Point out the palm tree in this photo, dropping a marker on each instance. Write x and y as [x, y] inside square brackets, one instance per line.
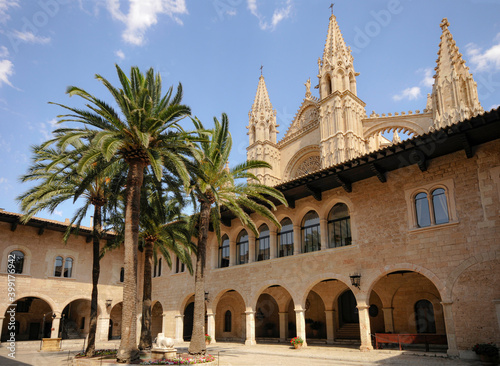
[143, 132]
[55, 170]
[218, 186]
[164, 229]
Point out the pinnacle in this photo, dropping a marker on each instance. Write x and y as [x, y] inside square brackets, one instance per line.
[449, 56]
[261, 102]
[335, 47]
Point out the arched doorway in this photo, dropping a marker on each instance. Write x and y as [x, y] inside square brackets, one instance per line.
[315, 317]
[115, 322]
[156, 319]
[75, 320]
[275, 318]
[348, 312]
[188, 321]
[33, 319]
[230, 324]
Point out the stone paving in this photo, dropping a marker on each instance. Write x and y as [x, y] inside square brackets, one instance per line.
[235, 354]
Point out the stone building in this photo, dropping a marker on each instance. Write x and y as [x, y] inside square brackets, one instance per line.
[379, 236]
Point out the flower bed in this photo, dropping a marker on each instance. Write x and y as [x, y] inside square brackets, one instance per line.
[181, 361]
[99, 353]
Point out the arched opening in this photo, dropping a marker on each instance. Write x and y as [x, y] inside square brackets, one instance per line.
[115, 322]
[224, 252]
[262, 244]
[75, 320]
[348, 312]
[230, 322]
[242, 247]
[15, 259]
[411, 304]
[285, 238]
[328, 85]
[156, 319]
[315, 317]
[188, 320]
[275, 318]
[339, 226]
[33, 319]
[310, 232]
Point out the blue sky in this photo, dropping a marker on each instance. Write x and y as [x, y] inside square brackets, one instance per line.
[215, 49]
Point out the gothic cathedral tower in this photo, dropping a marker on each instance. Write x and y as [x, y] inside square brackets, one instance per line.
[262, 136]
[341, 111]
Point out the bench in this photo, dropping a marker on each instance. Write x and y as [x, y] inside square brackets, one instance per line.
[401, 339]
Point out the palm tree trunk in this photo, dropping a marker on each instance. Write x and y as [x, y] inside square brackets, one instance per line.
[96, 235]
[146, 342]
[197, 345]
[128, 351]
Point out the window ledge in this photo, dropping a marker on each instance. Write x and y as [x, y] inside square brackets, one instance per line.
[62, 278]
[432, 228]
[16, 274]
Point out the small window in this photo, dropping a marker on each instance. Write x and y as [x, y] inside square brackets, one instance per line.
[431, 209]
[227, 321]
[179, 266]
[311, 237]
[224, 252]
[262, 244]
[422, 208]
[68, 267]
[157, 268]
[122, 274]
[285, 238]
[58, 266]
[440, 206]
[242, 248]
[339, 226]
[15, 261]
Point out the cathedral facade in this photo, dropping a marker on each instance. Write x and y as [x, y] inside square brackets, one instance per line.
[380, 237]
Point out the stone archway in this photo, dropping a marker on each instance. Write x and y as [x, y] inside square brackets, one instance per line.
[75, 319]
[230, 324]
[115, 322]
[156, 319]
[188, 320]
[32, 320]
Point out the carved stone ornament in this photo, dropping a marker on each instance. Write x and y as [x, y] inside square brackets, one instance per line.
[309, 165]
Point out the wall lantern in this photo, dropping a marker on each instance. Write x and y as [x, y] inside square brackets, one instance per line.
[355, 279]
[108, 303]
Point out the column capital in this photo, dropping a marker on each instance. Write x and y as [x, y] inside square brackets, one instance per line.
[210, 314]
[177, 316]
[446, 303]
[299, 310]
[363, 307]
[249, 312]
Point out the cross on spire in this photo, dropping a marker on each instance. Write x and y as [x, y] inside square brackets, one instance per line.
[331, 7]
[261, 67]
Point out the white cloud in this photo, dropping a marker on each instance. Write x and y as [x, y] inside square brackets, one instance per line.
[46, 129]
[494, 106]
[428, 79]
[120, 54]
[408, 93]
[487, 60]
[6, 70]
[278, 15]
[4, 7]
[58, 213]
[3, 180]
[31, 38]
[144, 14]
[4, 52]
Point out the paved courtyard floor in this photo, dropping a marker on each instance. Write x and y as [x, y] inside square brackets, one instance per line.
[235, 354]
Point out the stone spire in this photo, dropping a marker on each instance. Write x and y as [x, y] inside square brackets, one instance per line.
[336, 70]
[262, 116]
[454, 93]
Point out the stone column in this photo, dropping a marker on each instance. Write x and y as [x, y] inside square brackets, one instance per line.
[211, 326]
[388, 320]
[450, 328]
[232, 253]
[273, 244]
[323, 229]
[330, 326]
[250, 328]
[297, 239]
[251, 247]
[55, 326]
[283, 326]
[364, 328]
[179, 328]
[301, 324]
[102, 331]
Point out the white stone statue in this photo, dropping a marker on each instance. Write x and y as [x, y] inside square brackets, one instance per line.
[163, 342]
[308, 88]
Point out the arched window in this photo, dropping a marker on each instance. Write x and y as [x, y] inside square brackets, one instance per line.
[122, 274]
[179, 266]
[339, 226]
[285, 238]
[224, 252]
[440, 206]
[58, 266]
[422, 209]
[15, 262]
[328, 85]
[424, 317]
[227, 321]
[352, 83]
[242, 248]
[310, 232]
[262, 245]
[432, 209]
[68, 267]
